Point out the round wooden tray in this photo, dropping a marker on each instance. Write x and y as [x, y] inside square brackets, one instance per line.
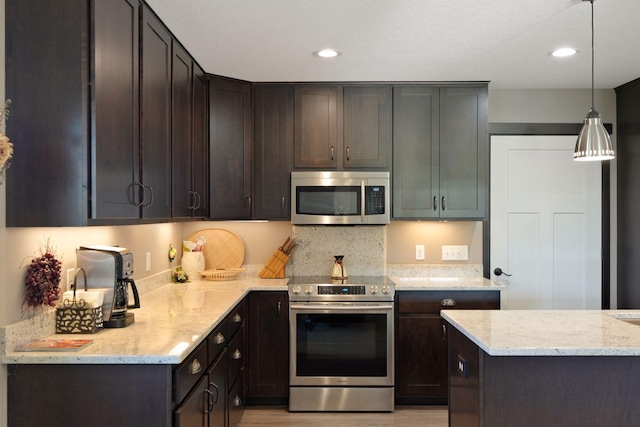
[223, 249]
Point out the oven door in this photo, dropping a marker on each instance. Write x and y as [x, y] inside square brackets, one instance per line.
[341, 344]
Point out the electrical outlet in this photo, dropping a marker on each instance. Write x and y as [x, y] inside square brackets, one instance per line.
[455, 253]
[148, 261]
[71, 272]
[419, 252]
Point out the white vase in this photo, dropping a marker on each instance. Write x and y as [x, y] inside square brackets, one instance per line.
[192, 263]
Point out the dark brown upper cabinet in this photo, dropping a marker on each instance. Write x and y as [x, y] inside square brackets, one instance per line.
[230, 148]
[342, 127]
[273, 151]
[74, 116]
[367, 127]
[440, 152]
[155, 109]
[181, 125]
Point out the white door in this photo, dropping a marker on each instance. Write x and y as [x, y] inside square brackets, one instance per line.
[545, 223]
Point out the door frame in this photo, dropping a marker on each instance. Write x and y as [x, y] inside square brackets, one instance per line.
[542, 129]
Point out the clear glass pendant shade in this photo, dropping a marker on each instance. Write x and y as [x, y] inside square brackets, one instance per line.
[593, 141]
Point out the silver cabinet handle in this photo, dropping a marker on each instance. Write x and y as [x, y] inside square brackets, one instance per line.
[282, 200]
[236, 355]
[332, 152]
[348, 154]
[448, 302]
[247, 201]
[150, 192]
[236, 318]
[219, 338]
[212, 384]
[199, 200]
[196, 367]
[207, 401]
[192, 206]
[443, 205]
[444, 332]
[435, 203]
[237, 401]
[279, 309]
[141, 202]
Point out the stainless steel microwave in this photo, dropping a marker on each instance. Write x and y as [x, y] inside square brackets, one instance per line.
[340, 198]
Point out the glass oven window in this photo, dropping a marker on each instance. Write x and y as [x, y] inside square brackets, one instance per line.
[343, 345]
[331, 200]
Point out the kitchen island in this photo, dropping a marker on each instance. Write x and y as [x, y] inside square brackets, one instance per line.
[543, 368]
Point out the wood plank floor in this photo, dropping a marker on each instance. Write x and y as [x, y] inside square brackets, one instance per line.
[405, 416]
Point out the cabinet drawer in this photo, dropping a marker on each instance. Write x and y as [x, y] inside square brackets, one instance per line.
[188, 373]
[236, 318]
[236, 402]
[434, 301]
[236, 357]
[218, 339]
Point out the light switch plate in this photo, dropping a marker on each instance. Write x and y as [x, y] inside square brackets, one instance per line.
[455, 253]
[419, 252]
[148, 261]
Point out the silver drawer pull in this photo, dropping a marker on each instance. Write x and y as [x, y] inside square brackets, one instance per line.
[448, 302]
[236, 318]
[219, 338]
[236, 354]
[196, 367]
[237, 401]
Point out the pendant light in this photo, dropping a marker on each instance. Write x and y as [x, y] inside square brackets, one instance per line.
[593, 142]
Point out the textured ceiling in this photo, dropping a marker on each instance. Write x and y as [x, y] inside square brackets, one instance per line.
[505, 42]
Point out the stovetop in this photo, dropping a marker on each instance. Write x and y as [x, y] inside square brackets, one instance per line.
[356, 288]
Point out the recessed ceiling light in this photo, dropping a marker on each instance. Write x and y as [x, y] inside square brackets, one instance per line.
[327, 53]
[564, 51]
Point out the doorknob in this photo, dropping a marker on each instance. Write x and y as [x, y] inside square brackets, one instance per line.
[498, 272]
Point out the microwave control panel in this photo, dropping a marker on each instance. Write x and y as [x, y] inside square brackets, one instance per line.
[374, 200]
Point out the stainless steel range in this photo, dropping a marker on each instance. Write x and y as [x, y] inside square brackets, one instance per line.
[341, 348]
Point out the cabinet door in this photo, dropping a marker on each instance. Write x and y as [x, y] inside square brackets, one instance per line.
[421, 350]
[200, 158]
[268, 358]
[230, 149]
[181, 140]
[206, 403]
[463, 152]
[47, 182]
[273, 142]
[114, 130]
[367, 127]
[415, 152]
[316, 134]
[155, 132]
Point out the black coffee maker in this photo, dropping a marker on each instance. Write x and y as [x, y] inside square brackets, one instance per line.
[110, 270]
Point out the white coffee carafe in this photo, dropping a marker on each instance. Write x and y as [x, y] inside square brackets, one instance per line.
[339, 270]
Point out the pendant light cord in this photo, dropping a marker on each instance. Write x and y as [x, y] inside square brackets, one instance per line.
[592, 60]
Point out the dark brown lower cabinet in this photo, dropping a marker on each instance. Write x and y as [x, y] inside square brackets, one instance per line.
[268, 359]
[422, 343]
[533, 391]
[205, 405]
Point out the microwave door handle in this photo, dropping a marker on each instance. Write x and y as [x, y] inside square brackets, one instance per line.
[362, 201]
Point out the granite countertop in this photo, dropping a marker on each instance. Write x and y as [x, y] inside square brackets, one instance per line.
[175, 318]
[549, 332]
[170, 324]
[470, 283]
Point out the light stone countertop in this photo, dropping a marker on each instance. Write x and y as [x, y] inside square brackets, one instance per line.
[549, 332]
[170, 324]
[465, 283]
[175, 318]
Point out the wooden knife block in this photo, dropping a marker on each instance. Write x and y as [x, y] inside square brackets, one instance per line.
[275, 267]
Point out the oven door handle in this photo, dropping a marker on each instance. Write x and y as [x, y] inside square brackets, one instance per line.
[316, 307]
